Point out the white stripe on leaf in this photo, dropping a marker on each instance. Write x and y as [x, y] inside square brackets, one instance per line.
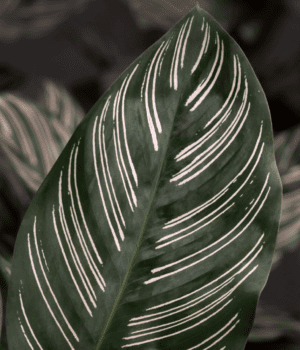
[200, 298]
[219, 331]
[42, 292]
[44, 257]
[178, 332]
[176, 64]
[182, 307]
[77, 228]
[72, 250]
[48, 284]
[165, 50]
[195, 145]
[217, 144]
[203, 21]
[216, 242]
[197, 229]
[208, 39]
[119, 144]
[213, 281]
[180, 321]
[198, 209]
[28, 325]
[236, 58]
[101, 141]
[194, 325]
[149, 117]
[99, 184]
[116, 150]
[202, 48]
[82, 214]
[124, 129]
[185, 42]
[68, 265]
[204, 83]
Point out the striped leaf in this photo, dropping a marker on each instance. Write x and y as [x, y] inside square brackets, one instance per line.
[156, 226]
[32, 135]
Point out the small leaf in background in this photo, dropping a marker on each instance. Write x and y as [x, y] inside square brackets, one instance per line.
[272, 323]
[23, 18]
[33, 135]
[156, 226]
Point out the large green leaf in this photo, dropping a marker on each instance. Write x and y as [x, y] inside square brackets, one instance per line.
[156, 226]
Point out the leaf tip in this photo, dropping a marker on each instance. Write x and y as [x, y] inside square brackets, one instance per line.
[198, 7]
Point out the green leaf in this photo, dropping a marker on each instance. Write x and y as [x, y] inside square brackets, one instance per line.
[156, 226]
[33, 135]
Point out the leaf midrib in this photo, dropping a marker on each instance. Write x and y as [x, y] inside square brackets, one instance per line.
[124, 283]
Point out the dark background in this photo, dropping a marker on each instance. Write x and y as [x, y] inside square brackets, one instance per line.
[91, 44]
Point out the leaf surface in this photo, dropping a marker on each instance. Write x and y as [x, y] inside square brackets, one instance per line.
[156, 226]
[33, 135]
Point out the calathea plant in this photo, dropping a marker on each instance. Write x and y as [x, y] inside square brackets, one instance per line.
[156, 226]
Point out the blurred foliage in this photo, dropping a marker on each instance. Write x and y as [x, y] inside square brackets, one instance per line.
[32, 18]
[287, 150]
[32, 135]
[272, 323]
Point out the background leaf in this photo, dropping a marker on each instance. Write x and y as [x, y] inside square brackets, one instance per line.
[33, 135]
[34, 18]
[287, 147]
[272, 323]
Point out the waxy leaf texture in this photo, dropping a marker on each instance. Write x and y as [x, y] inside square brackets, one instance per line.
[156, 226]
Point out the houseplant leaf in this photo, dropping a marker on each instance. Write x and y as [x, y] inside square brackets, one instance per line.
[156, 226]
[33, 134]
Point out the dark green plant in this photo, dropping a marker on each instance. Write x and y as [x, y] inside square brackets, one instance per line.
[156, 226]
